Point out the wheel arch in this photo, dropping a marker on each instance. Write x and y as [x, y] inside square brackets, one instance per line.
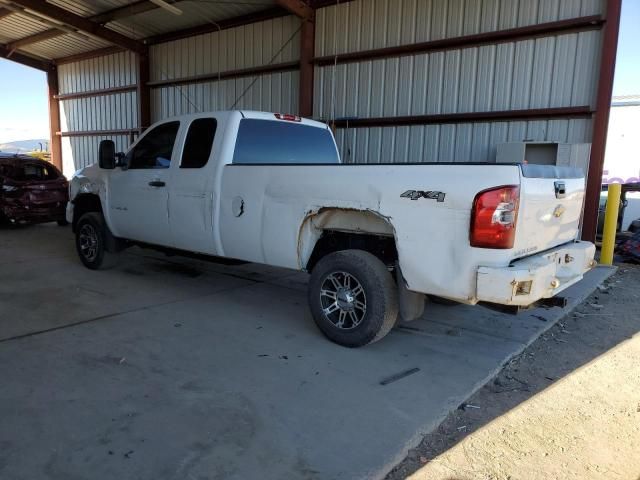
[331, 229]
[85, 203]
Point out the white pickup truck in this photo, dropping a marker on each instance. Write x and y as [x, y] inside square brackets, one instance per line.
[377, 239]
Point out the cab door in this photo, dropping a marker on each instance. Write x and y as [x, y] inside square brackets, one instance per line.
[139, 194]
[191, 194]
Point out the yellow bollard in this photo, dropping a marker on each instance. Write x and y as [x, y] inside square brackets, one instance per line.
[610, 224]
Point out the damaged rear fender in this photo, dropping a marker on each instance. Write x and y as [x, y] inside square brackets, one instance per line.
[338, 219]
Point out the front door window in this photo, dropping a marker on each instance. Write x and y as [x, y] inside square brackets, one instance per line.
[155, 148]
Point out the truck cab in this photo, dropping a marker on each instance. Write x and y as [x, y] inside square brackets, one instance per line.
[165, 189]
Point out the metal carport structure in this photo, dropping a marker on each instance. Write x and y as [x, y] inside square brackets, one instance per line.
[399, 79]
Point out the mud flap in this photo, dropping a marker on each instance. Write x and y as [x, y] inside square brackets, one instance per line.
[112, 244]
[411, 304]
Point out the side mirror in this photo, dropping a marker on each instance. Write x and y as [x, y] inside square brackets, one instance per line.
[107, 155]
[121, 160]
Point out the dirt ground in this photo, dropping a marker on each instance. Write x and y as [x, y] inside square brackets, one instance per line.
[567, 408]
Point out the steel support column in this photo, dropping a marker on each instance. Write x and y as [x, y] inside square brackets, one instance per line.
[55, 142]
[601, 118]
[144, 92]
[307, 52]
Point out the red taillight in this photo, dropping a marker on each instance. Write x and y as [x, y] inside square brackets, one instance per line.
[288, 117]
[494, 216]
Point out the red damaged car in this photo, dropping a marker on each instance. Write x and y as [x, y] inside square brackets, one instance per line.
[31, 191]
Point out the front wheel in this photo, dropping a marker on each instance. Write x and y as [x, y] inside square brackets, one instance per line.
[91, 232]
[353, 298]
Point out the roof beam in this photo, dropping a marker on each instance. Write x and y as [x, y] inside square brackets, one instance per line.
[247, 19]
[23, 59]
[327, 3]
[79, 57]
[239, 21]
[136, 8]
[80, 23]
[35, 38]
[5, 12]
[299, 8]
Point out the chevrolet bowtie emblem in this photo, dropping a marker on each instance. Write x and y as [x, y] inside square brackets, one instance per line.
[559, 211]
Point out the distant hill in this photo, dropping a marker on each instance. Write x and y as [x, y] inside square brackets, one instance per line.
[23, 146]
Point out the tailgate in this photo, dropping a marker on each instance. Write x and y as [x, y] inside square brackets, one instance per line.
[550, 212]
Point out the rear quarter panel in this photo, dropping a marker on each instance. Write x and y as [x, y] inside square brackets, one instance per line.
[432, 237]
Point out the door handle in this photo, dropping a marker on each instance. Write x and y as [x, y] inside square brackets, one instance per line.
[157, 183]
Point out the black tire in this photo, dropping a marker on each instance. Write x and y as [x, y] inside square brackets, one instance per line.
[62, 223]
[92, 228]
[378, 291]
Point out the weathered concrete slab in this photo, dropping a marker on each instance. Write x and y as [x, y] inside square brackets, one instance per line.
[185, 369]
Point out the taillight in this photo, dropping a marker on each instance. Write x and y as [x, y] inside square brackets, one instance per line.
[494, 216]
[288, 117]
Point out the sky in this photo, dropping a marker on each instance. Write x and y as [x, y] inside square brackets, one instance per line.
[628, 67]
[24, 111]
[23, 90]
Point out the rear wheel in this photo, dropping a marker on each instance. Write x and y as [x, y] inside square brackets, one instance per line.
[91, 232]
[353, 298]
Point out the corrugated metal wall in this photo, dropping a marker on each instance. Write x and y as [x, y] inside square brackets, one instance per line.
[109, 71]
[553, 71]
[452, 143]
[108, 112]
[557, 71]
[270, 42]
[249, 46]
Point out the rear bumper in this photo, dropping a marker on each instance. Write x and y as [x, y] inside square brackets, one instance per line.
[34, 213]
[529, 280]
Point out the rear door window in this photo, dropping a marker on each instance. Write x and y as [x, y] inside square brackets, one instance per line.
[197, 146]
[155, 148]
[27, 172]
[274, 142]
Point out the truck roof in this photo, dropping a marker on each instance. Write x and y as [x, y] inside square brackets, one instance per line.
[249, 114]
[271, 116]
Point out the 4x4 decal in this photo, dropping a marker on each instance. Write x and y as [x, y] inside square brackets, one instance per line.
[418, 194]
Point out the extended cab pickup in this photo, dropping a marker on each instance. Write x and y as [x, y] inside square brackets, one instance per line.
[270, 188]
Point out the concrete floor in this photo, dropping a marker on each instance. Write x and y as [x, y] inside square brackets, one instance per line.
[171, 368]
